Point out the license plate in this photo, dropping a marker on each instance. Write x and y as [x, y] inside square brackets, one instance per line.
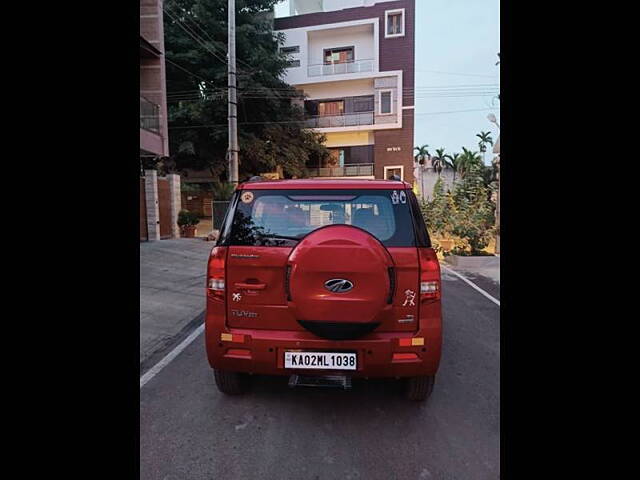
[320, 360]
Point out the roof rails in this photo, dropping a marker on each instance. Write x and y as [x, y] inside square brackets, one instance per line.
[256, 178]
[395, 178]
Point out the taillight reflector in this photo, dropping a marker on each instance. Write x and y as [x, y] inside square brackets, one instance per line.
[235, 338]
[429, 274]
[404, 356]
[411, 342]
[215, 273]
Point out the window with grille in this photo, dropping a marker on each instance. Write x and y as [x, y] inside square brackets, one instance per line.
[293, 49]
[395, 23]
[385, 103]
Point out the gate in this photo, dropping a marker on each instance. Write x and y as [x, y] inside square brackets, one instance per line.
[164, 207]
[144, 234]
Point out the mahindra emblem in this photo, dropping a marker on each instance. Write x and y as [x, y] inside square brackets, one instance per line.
[338, 285]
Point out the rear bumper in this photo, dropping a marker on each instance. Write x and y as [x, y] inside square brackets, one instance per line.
[262, 351]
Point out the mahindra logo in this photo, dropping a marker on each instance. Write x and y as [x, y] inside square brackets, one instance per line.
[338, 285]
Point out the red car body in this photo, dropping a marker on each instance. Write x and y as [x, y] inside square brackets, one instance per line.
[263, 301]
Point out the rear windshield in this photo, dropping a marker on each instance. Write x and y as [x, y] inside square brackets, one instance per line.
[284, 217]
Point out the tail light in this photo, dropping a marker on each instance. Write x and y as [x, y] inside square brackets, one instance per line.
[215, 273]
[429, 274]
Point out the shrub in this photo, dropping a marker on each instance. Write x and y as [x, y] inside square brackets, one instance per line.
[438, 211]
[188, 219]
[467, 213]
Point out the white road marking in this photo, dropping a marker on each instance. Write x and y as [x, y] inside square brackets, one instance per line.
[153, 371]
[473, 285]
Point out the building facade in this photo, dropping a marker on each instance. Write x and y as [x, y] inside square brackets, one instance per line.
[354, 61]
[154, 138]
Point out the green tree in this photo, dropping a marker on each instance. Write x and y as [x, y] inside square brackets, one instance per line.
[453, 162]
[485, 138]
[422, 154]
[438, 162]
[270, 124]
[468, 160]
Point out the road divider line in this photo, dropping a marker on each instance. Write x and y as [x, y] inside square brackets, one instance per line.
[153, 371]
[473, 285]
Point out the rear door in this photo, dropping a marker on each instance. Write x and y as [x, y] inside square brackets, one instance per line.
[266, 226]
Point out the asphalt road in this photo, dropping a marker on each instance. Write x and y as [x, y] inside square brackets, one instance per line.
[188, 430]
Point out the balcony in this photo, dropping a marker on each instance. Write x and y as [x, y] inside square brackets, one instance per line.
[149, 115]
[353, 170]
[291, 8]
[344, 120]
[356, 66]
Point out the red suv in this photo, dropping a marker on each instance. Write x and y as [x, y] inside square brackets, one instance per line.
[324, 280]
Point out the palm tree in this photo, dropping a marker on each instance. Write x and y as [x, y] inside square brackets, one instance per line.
[453, 163]
[422, 154]
[421, 157]
[485, 138]
[438, 162]
[468, 160]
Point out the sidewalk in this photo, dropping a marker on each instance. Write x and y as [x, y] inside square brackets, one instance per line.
[172, 289]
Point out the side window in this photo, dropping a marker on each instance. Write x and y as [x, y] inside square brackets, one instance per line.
[225, 229]
[422, 236]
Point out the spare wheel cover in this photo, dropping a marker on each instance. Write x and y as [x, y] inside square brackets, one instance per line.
[339, 282]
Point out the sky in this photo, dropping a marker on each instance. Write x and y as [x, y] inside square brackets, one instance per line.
[461, 37]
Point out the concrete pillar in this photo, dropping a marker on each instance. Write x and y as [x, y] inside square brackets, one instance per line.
[176, 203]
[153, 209]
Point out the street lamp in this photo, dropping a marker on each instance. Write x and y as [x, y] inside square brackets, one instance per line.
[492, 118]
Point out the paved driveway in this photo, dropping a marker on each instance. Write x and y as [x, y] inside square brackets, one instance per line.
[188, 430]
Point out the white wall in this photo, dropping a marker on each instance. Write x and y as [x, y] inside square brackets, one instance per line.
[360, 37]
[309, 6]
[362, 34]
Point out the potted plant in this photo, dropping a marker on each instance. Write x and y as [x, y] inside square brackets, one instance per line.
[187, 222]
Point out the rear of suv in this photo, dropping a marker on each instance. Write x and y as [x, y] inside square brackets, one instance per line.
[326, 279]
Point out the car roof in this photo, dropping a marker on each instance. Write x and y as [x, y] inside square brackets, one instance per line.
[312, 184]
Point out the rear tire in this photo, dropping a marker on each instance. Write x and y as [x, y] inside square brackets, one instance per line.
[419, 388]
[231, 383]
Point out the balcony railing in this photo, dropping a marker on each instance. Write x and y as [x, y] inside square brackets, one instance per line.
[149, 115]
[356, 66]
[345, 120]
[353, 170]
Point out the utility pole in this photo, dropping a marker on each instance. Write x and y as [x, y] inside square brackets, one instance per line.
[233, 104]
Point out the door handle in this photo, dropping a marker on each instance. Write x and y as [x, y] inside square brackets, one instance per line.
[250, 286]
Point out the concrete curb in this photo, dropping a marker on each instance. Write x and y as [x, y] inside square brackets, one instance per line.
[473, 262]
